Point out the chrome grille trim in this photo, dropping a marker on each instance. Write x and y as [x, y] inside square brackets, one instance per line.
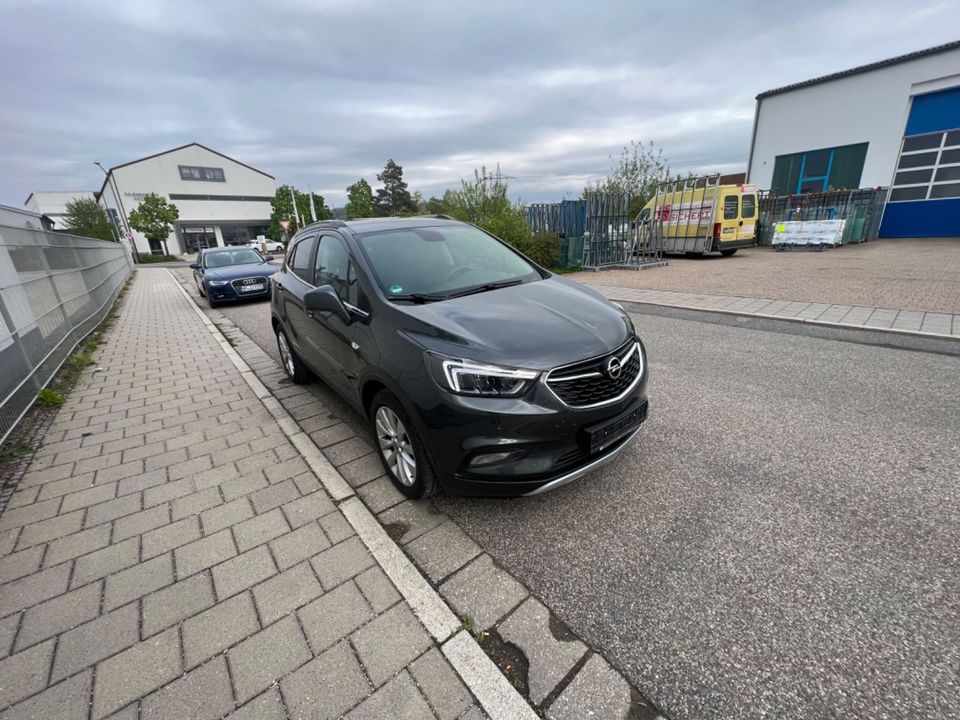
[624, 353]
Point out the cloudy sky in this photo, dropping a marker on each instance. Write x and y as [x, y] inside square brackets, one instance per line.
[321, 92]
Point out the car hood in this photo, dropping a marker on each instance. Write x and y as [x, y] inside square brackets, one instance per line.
[537, 325]
[234, 272]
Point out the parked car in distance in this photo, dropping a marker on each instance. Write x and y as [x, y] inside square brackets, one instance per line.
[478, 371]
[272, 246]
[225, 274]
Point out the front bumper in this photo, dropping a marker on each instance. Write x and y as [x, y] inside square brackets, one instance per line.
[549, 439]
[230, 293]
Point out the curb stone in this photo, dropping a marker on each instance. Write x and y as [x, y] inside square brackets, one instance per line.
[392, 537]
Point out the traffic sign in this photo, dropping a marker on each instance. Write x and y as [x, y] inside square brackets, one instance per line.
[285, 224]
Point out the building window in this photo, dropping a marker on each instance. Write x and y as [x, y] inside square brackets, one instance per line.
[207, 174]
[242, 234]
[928, 167]
[837, 168]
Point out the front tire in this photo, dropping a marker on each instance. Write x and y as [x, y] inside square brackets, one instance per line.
[402, 453]
[729, 253]
[292, 364]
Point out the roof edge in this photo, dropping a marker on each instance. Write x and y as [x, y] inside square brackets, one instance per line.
[192, 144]
[915, 55]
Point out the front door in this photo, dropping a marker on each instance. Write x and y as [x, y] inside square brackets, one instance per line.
[328, 334]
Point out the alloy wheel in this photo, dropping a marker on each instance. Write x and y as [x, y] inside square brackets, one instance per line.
[396, 446]
[286, 356]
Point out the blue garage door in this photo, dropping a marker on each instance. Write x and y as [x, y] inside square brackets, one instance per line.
[925, 195]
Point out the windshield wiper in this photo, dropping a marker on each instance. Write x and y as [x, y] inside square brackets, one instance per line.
[419, 298]
[486, 287]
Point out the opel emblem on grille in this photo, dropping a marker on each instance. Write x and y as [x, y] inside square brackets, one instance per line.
[614, 366]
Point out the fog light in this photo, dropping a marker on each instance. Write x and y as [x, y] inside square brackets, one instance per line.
[492, 458]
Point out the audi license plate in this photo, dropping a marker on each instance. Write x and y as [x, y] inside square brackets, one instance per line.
[603, 435]
[252, 288]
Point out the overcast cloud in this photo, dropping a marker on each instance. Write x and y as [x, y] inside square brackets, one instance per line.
[322, 93]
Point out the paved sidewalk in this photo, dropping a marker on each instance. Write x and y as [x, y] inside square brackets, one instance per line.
[170, 554]
[912, 321]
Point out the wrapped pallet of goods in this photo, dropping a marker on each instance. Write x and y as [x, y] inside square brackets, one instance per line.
[811, 234]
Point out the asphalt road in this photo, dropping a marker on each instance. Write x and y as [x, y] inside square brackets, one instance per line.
[782, 541]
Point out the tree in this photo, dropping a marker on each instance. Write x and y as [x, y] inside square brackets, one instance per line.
[638, 171]
[282, 209]
[393, 198]
[86, 218]
[360, 202]
[154, 217]
[484, 203]
[434, 206]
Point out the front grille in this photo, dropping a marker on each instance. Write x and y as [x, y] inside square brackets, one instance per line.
[237, 284]
[590, 383]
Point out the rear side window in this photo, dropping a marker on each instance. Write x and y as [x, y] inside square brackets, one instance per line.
[730, 207]
[299, 262]
[749, 206]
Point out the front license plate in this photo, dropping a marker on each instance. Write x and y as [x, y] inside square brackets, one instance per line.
[252, 288]
[602, 435]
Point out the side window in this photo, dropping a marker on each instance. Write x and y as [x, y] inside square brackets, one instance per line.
[730, 207]
[333, 268]
[749, 206]
[299, 264]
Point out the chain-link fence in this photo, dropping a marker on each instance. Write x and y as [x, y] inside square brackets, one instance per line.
[54, 290]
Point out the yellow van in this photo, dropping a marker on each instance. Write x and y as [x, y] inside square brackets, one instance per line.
[699, 215]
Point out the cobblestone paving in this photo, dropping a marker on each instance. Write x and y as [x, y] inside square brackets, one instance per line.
[170, 555]
[910, 274]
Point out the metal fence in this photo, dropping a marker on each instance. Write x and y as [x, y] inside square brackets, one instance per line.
[614, 239]
[862, 210]
[54, 290]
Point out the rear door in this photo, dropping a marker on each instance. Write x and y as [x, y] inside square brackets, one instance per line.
[297, 280]
[748, 216]
[728, 211]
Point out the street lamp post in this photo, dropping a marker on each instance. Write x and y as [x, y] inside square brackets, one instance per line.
[123, 213]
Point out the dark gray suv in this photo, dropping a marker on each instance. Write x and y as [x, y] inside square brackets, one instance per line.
[479, 371]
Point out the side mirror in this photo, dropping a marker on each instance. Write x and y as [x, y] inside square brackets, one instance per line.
[325, 299]
[267, 258]
[194, 266]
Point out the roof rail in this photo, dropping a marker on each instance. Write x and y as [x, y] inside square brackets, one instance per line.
[325, 223]
[441, 216]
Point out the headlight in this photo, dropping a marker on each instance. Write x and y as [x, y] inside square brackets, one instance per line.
[626, 317]
[217, 283]
[468, 378]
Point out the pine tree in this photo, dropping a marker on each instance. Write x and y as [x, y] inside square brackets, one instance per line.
[394, 198]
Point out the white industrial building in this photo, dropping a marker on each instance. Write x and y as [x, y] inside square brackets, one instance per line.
[53, 204]
[892, 123]
[221, 201]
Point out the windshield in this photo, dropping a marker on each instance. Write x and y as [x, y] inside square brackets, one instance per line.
[239, 256]
[441, 261]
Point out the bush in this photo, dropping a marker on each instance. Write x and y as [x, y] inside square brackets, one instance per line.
[146, 259]
[542, 249]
